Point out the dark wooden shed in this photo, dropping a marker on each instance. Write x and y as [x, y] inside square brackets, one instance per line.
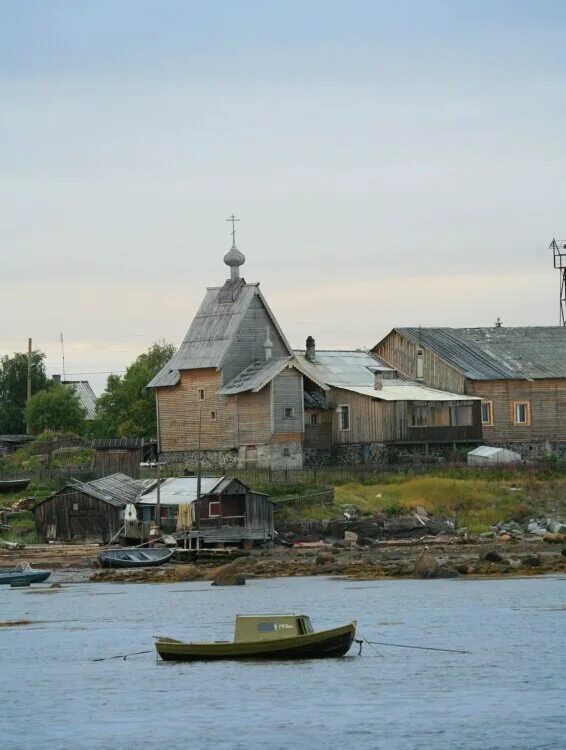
[86, 511]
[122, 455]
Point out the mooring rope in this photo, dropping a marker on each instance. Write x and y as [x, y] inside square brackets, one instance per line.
[421, 648]
[123, 656]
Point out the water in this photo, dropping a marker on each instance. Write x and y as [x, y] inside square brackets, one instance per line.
[508, 693]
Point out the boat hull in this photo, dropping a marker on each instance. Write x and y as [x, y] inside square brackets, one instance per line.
[134, 558]
[321, 645]
[35, 576]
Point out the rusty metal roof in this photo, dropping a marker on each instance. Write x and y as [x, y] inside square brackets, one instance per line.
[211, 332]
[497, 353]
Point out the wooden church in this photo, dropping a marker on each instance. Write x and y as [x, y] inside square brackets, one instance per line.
[236, 394]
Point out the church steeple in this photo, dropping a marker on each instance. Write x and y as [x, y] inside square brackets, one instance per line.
[234, 258]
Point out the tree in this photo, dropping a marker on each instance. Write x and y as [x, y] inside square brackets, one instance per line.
[13, 388]
[57, 408]
[126, 409]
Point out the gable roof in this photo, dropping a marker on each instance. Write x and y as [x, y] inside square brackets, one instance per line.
[85, 395]
[212, 330]
[257, 375]
[341, 368]
[115, 489]
[497, 353]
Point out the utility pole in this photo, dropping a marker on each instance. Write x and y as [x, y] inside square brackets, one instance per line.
[28, 428]
[199, 472]
[158, 500]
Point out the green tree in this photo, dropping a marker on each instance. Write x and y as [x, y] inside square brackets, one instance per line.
[57, 408]
[13, 388]
[126, 409]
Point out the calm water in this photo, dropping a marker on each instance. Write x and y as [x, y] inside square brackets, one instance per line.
[509, 692]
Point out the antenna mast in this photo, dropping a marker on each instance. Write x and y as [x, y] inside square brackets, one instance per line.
[63, 354]
[559, 249]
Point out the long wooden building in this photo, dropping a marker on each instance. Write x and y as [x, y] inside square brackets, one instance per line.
[518, 373]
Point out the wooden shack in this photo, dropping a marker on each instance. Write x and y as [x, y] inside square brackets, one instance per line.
[122, 455]
[86, 511]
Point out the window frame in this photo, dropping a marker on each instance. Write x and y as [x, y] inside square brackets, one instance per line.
[315, 420]
[200, 391]
[210, 513]
[213, 416]
[489, 421]
[290, 409]
[341, 408]
[527, 405]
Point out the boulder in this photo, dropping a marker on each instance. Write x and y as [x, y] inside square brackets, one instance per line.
[426, 567]
[531, 561]
[446, 572]
[555, 527]
[324, 557]
[228, 575]
[350, 536]
[554, 538]
[492, 555]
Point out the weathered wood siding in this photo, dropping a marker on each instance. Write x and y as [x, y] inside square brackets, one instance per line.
[547, 399]
[287, 393]
[247, 345]
[117, 460]
[401, 353]
[179, 408]
[71, 516]
[374, 421]
[318, 436]
[253, 413]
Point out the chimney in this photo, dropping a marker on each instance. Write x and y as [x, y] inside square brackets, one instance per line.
[310, 353]
[56, 379]
[378, 381]
[268, 345]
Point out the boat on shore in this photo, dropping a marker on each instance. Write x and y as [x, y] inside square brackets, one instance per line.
[13, 485]
[23, 574]
[265, 637]
[134, 557]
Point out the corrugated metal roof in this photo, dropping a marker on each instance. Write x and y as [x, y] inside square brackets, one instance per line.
[257, 375]
[212, 329]
[315, 400]
[337, 368]
[177, 490]
[406, 390]
[497, 353]
[85, 394]
[115, 489]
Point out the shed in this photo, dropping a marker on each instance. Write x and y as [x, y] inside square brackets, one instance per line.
[122, 455]
[228, 511]
[82, 511]
[487, 455]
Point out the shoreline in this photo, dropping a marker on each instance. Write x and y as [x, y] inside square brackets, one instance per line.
[419, 559]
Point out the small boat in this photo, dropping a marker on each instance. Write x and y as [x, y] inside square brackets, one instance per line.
[265, 637]
[13, 485]
[134, 557]
[23, 573]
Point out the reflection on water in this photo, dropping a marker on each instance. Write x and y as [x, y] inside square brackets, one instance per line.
[508, 692]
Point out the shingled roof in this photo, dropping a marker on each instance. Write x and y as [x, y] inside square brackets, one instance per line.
[502, 353]
[212, 330]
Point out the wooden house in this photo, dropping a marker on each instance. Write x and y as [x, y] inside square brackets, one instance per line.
[227, 512]
[518, 373]
[86, 511]
[368, 404]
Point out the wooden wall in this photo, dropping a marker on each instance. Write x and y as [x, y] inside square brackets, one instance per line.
[547, 399]
[318, 436]
[71, 516]
[253, 415]
[401, 353]
[178, 414]
[287, 390]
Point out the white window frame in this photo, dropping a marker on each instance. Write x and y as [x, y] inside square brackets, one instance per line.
[341, 411]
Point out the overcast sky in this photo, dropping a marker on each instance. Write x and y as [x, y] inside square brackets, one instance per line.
[392, 163]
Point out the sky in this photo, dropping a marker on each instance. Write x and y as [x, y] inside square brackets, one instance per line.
[390, 163]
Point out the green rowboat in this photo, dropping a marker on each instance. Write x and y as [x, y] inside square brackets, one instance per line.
[265, 637]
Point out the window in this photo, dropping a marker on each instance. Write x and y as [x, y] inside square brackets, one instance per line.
[289, 412]
[344, 417]
[462, 416]
[213, 416]
[521, 411]
[200, 394]
[286, 452]
[419, 416]
[214, 509]
[315, 418]
[487, 413]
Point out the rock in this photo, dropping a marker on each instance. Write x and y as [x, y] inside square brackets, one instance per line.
[492, 556]
[324, 557]
[440, 526]
[350, 536]
[228, 575]
[426, 567]
[557, 527]
[446, 572]
[564, 551]
[462, 568]
[55, 586]
[531, 561]
[554, 538]
[505, 538]
[534, 527]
